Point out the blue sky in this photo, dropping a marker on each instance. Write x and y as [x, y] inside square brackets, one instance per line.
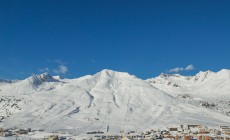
[78, 37]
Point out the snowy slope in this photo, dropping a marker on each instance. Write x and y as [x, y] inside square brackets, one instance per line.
[91, 103]
[206, 84]
[208, 89]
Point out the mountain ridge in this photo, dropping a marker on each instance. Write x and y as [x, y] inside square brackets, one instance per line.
[94, 102]
[110, 70]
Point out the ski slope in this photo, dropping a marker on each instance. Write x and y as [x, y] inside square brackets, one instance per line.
[94, 102]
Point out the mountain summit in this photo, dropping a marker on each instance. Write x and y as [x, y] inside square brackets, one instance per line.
[205, 84]
[39, 79]
[92, 103]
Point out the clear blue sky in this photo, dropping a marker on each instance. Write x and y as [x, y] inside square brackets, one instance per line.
[143, 37]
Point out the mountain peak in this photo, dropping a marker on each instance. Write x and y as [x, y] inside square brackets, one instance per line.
[224, 71]
[40, 78]
[169, 75]
[112, 73]
[108, 71]
[204, 72]
[108, 98]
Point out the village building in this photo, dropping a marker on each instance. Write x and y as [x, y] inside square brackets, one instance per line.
[53, 137]
[225, 130]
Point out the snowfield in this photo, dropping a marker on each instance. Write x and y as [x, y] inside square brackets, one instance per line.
[206, 89]
[112, 100]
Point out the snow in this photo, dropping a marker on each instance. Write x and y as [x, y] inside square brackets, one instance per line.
[208, 86]
[118, 99]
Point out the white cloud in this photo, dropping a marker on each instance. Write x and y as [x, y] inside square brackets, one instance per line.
[61, 69]
[44, 69]
[60, 62]
[178, 69]
[189, 67]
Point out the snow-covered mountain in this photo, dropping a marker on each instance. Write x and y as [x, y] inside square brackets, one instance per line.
[108, 98]
[208, 89]
[206, 84]
[2, 81]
